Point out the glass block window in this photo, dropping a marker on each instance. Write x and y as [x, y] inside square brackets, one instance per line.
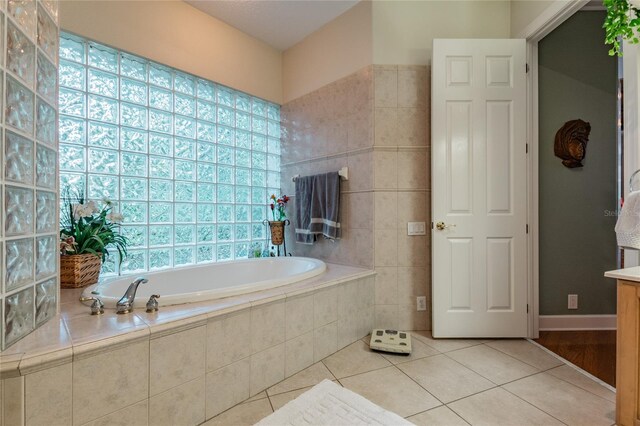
[28, 191]
[188, 162]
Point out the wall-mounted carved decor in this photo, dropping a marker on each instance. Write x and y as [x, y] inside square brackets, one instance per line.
[571, 142]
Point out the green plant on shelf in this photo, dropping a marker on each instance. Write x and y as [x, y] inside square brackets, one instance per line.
[87, 228]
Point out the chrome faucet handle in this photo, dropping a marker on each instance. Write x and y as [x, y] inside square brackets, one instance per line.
[152, 304]
[97, 307]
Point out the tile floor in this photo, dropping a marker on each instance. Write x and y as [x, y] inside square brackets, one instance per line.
[451, 382]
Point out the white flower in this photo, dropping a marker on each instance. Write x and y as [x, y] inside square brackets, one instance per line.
[78, 211]
[84, 210]
[92, 207]
[115, 217]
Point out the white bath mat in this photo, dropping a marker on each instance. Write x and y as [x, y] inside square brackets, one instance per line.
[330, 404]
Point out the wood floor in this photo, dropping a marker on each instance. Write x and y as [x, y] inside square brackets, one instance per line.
[593, 351]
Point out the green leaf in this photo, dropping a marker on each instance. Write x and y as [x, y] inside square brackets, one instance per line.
[93, 234]
[621, 23]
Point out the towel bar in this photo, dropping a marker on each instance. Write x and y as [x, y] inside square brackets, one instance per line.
[343, 172]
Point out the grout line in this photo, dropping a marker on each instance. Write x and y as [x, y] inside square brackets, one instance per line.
[533, 405]
[575, 367]
[297, 388]
[363, 150]
[325, 366]
[456, 413]
[470, 395]
[520, 378]
[475, 393]
[409, 361]
[425, 389]
[510, 381]
[149, 381]
[439, 406]
[473, 371]
[538, 369]
[270, 403]
[66, 329]
[544, 370]
[452, 350]
[521, 360]
[365, 372]
[222, 412]
[459, 414]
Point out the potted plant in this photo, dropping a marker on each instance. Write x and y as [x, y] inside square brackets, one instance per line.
[277, 205]
[87, 233]
[622, 23]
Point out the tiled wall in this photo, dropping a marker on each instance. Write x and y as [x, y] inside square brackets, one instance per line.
[323, 131]
[28, 235]
[375, 121]
[402, 194]
[195, 370]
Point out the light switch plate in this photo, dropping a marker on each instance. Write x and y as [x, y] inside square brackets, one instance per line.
[416, 228]
[421, 303]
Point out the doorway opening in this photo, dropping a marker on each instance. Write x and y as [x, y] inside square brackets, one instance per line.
[578, 206]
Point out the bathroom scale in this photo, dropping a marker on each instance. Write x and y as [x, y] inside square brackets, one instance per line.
[394, 341]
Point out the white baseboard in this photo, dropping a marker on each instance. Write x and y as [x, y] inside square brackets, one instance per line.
[577, 322]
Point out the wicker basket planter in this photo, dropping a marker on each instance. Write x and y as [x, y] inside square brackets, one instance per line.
[277, 232]
[79, 270]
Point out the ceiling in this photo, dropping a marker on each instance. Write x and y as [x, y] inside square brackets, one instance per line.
[279, 23]
[594, 5]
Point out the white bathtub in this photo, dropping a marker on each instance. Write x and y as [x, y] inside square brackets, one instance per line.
[211, 281]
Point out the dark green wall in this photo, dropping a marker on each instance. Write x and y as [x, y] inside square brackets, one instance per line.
[577, 242]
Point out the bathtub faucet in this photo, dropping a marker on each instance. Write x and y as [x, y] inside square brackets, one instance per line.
[125, 304]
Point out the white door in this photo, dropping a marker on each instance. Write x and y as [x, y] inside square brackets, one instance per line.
[479, 188]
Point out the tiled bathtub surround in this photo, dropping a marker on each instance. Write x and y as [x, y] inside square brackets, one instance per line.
[184, 364]
[375, 121]
[28, 242]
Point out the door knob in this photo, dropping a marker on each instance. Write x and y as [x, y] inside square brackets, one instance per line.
[441, 226]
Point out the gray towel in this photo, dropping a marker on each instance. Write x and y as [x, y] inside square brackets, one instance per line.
[317, 205]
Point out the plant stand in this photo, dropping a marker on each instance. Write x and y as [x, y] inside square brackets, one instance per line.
[274, 235]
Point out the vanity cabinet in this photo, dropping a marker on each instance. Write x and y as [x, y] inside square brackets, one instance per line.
[628, 354]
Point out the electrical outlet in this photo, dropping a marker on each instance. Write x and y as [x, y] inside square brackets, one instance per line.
[572, 301]
[421, 302]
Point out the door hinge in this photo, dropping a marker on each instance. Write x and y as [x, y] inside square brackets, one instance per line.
[526, 67]
[527, 228]
[526, 148]
[527, 308]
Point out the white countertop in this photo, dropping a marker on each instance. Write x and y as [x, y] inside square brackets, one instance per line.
[627, 274]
